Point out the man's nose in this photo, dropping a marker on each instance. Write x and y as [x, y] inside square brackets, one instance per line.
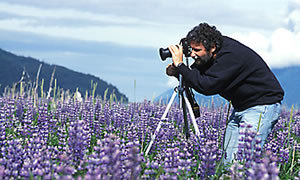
[193, 54]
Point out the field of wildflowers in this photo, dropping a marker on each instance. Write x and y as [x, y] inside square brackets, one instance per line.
[62, 137]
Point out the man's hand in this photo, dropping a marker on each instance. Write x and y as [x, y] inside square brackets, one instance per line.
[177, 53]
[171, 70]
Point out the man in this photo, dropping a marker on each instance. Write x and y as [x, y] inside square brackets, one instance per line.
[226, 67]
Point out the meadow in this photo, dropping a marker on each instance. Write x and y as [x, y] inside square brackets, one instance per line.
[63, 137]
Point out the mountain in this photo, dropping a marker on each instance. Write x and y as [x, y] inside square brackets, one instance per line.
[13, 66]
[288, 78]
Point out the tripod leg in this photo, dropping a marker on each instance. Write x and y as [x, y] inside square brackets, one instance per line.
[192, 116]
[186, 123]
[160, 122]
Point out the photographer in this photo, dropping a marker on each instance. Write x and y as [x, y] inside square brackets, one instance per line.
[226, 67]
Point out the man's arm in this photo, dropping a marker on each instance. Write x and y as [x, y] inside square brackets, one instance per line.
[223, 73]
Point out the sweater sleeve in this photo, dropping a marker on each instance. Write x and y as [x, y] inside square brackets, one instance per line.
[223, 74]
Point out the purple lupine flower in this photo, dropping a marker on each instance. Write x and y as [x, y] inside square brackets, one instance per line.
[249, 146]
[2, 128]
[133, 162]
[267, 169]
[151, 169]
[107, 113]
[109, 163]
[117, 118]
[99, 119]
[43, 121]
[296, 125]
[257, 150]
[88, 112]
[94, 162]
[78, 141]
[20, 107]
[12, 158]
[237, 171]
[278, 143]
[208, 159]
[132, 134]
[38, 159]
[64, 170]
[2, 172]
[52, 123]
[171, 163]
[28, 118]
[63, 112]
[162, 138]
[186, 158]
[61, 136]
[141, 124]
[9, 109]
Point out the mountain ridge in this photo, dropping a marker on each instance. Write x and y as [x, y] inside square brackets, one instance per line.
[12, 67]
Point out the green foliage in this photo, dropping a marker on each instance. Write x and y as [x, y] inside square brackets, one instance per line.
[93, 143]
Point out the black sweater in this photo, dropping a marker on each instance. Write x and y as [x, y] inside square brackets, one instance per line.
[238, 74]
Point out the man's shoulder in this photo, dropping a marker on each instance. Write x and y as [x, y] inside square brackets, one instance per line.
[229, 41]
[232, 46]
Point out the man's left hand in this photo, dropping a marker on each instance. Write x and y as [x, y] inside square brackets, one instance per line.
[171, 70]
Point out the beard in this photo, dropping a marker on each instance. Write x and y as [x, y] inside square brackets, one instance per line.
[201, 60]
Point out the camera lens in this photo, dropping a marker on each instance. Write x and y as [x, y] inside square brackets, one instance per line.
[164, 53]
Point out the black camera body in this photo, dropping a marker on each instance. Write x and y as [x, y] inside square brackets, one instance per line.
[166, 53]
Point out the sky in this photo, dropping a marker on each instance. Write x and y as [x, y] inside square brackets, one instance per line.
[118, 40]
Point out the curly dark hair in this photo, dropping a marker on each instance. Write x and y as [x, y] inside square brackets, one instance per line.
[207, 35]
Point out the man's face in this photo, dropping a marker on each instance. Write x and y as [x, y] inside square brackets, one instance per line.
[200, 54]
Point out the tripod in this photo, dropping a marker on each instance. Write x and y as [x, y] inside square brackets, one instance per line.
[184, 102]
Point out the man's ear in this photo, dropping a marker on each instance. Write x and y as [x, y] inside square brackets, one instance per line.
[213, 49]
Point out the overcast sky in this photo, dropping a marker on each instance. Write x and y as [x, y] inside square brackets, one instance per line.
[118, 40]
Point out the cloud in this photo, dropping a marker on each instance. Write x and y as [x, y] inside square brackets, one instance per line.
[278, 50]
[144, 23]
[293, 18]
[280, 47]
[40, 14]
[172, 12]
[285, 47]
[81, 25]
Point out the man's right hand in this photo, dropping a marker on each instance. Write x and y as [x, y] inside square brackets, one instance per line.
[177, 53]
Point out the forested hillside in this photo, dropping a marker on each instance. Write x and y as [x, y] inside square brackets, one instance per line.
[13, 67]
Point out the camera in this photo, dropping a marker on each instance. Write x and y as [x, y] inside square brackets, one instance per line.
[166, 53]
